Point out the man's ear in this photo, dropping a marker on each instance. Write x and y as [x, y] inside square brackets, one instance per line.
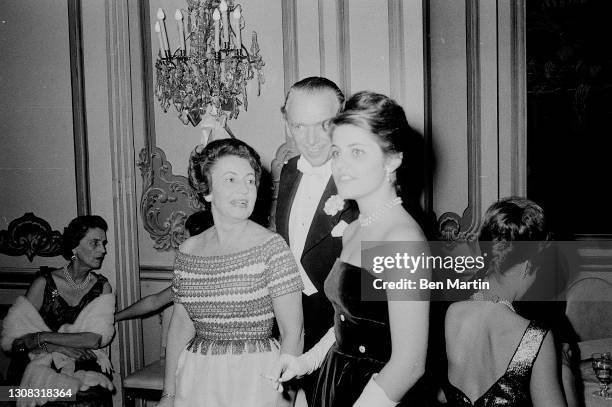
[287, 129]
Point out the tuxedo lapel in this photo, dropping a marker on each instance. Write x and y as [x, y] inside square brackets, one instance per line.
[286, 193]
[322, 223]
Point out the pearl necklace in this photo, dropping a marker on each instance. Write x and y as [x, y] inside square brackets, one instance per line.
[368, 220]
[72, 283]
[479, 296]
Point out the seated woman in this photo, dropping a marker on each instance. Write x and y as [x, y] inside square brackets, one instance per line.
[55, 333]
[231, 282]
[375, 353]
[496, 357]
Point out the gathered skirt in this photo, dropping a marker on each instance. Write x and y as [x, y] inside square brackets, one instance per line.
[225, 380]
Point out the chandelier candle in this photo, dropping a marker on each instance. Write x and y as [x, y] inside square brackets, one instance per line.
[161, 16]
[223, 10]
[216, 18]
[236, 18]
[159, 37]
[178, 16]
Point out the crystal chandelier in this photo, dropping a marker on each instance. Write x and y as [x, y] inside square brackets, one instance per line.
[208, 74]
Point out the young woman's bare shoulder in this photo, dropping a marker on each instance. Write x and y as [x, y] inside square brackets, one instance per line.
[406, 231]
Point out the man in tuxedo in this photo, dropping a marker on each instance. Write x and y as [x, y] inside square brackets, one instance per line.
[305, 186]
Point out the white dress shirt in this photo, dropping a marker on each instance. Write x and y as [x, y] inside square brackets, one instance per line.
[307, 197]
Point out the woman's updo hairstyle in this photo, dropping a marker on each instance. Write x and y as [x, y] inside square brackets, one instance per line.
[203, 158]
[386, 120]
[507, 227]
[76, 231]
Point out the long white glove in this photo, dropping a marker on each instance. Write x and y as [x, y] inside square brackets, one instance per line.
[374, 396]
[288, 366]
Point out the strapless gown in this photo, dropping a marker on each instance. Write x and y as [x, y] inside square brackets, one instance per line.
[512, 389]
[363, 341]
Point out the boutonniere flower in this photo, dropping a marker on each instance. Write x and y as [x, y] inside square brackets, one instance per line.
[338, 230]
[333, 205]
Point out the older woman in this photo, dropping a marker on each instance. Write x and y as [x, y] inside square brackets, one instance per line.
[64, 319]
[496, 357]
[378, 348]
[231, 282]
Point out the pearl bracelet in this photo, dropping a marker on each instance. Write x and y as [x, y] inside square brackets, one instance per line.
[166, 396]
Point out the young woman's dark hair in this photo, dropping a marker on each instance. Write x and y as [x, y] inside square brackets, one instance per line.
[386, 120]
[513, 230]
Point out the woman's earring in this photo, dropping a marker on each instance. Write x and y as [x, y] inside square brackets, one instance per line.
[526, 270]
[73, 258]
[207, 198]
[388, 177]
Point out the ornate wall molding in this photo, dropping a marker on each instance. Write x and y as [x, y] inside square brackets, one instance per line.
[30, 236]
[519, 97]
[344, 46]
[79, 113]
[397, 53]
[451, 226]
[290, 44]
[167, 200]
[121, 30]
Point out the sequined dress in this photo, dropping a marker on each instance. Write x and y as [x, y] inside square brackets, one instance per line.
[363, 341]
[512, 389]
[229, 299]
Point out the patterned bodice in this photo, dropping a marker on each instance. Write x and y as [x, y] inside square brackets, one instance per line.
[512, 389]
[229, 297]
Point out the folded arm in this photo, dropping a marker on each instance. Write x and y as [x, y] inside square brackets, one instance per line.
[58, 341]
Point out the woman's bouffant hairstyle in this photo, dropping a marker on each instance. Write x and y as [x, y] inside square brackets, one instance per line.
[386, 120]
[513, 231]
[76, 231]
[203, 158]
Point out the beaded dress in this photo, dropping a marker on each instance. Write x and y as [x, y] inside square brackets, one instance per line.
[229, 299]
[512, 389]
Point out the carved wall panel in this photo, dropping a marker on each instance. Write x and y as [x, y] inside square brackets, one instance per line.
[31, 236]
[167, 200]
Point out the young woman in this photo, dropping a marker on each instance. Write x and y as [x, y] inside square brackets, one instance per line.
[495, 356]
[376, 351]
